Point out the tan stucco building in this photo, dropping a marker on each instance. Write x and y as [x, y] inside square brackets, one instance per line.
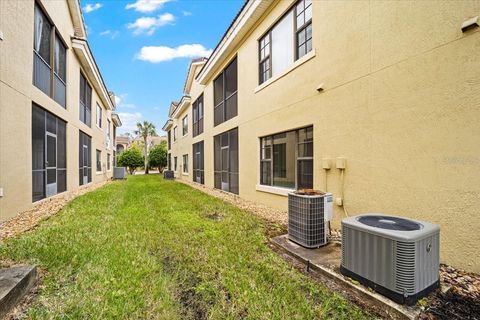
[57, 119]
[296, 91]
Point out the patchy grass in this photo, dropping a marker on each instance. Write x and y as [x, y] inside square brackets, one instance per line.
[157, 249]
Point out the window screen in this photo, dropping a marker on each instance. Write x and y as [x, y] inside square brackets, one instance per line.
[226, 161]
[85, 159]
[49, 160]
[198, 163]
[99, 161]
[197, 111]
[225, 94]
[85, 101]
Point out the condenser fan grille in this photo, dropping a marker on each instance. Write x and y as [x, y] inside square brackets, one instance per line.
[390, 223]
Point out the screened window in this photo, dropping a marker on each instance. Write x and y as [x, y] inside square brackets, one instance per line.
[185, 125]
[99, 116]
[197, 111]
[109, 124]
[169, 139]
[289, 40]
[175, 163]
[198, 163]
[49, 159]
[49, 71]
[109, 164]
[169, 161]
[85, 158]
[185, 163]
[226, 161]
[99, 161]
[286, 159]
[85, 101]
[175, 134]
[225, 94]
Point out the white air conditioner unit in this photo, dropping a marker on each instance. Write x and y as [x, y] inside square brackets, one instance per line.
[308, 218]
[397, 257]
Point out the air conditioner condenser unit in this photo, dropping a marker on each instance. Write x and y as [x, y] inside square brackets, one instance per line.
[397, 257]
[308, 218]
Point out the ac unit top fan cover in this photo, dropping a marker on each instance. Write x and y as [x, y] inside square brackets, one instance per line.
[395, 228]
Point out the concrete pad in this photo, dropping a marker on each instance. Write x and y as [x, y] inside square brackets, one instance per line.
[326, 260]
[15, 282]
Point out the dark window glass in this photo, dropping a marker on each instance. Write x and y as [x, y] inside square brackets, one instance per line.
[185, 163]
[226, 161]
[49, 160]
[108, 162]
[185, 125]
[197, 111]
[99, 161]
[85, 159]
[85, 101]
[175, 163]
[169, 140]
[198, 165]
[225, 94]
[286, 159]
[49, 70]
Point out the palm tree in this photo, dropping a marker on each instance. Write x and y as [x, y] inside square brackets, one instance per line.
[145, 130]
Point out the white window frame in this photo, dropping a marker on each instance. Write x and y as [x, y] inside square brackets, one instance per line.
[99, 115]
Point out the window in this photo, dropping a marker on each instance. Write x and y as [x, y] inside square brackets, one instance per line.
[108, 127]
[225, 94]
[169, 161]
[109, 165]
[286, 159]
[99, 116]
[185, 163]
[85, 101]
[174, 163]
[49, 71]
[185, 125]
[174, 134]
[49, 156]
[99, 161]
[226, 161]
[197, 111]
[198, 163]
[289, 40]
[85, 158]
[169, 139]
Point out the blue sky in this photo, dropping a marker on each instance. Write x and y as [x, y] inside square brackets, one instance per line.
[144, 47]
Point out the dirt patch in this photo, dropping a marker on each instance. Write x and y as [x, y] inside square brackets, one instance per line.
[215, 216]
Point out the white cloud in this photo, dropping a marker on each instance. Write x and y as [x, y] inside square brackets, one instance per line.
[121, 102]
[110, 33]
[118, 100]
[161, 53]
[129, 121]
[92, 7]
[148, 25]
[146, 6]
[186, 13]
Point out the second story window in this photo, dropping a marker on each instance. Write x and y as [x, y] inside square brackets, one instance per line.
[99, 116]
[49, 58]
[174, 134]
[197, 111]
[225, 94]
[108, 128]
[289, 40]
[169, 140]
[185, 125]
[85, 101]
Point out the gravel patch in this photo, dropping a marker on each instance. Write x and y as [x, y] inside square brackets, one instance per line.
[43, 209]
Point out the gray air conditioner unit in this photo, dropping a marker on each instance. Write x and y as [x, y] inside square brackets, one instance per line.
[168, 174]
[397, 257]
[119, 173]
[308, 218]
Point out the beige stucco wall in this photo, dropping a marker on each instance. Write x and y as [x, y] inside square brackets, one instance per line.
[401, 103]
[17, 94]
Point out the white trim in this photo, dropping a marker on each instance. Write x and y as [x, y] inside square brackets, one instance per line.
[97, 173]
[184, 173]
[295, 65]
[274, 190]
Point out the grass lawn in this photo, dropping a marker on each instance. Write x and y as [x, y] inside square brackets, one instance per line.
[156, 249]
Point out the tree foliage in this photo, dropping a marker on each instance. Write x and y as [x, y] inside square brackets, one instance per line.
[145, 130]
[158, 156]
[131, 158]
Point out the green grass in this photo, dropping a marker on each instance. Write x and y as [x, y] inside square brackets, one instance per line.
[150, 248]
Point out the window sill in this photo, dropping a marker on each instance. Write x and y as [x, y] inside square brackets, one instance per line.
[184, 173]
[100, 128]
[98, 173]
[275, 190]
[295, 65]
